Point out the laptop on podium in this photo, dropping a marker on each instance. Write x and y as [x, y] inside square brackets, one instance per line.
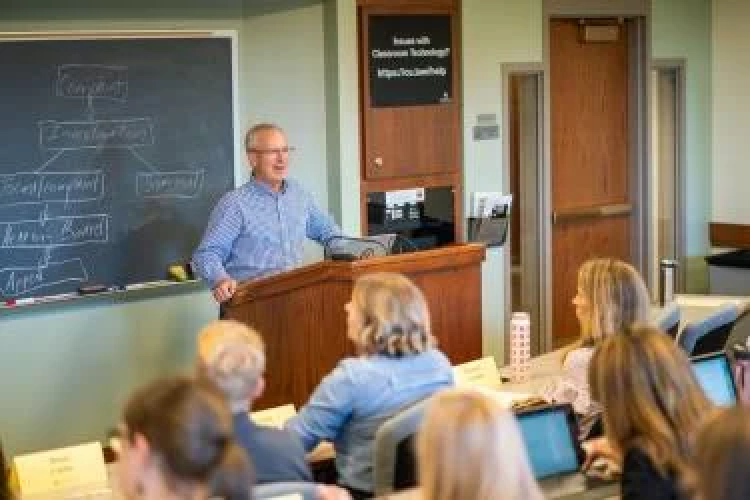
[550, 434]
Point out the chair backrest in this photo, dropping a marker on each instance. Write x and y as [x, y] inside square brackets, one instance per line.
[394, 452]
[709, 334]
[270, 491]
[667, 319]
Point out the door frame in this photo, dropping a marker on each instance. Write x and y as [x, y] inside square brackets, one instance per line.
[678, 66]
[636, 15]
[535, 70]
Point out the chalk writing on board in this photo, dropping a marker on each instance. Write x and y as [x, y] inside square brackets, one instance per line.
[71, 135]
[179, 184]
[86, 81]
[36, 187]
[110, 143]
[55, 231]
[16, 281]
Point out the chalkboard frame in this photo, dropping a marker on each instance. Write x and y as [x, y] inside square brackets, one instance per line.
[162, 287]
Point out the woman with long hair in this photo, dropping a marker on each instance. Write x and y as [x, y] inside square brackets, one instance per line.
[398, 365]
[471, 447]
[610, 296]
[652, 406]
[723, 456]
[177, 444]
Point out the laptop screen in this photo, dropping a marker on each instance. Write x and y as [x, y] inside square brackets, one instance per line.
[549, 441]
[715, 376]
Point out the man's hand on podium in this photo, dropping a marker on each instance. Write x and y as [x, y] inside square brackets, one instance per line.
[225, 289]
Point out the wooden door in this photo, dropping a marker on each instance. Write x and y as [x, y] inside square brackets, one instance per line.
[403, 140]
[590, 191]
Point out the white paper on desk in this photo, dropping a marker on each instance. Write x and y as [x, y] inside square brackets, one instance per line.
[480, 372]
[490, 204]
[274, 417]
[72, 470]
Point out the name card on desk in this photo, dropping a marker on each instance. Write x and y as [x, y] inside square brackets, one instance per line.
[481, 372]
[274, 417]
[75, 468]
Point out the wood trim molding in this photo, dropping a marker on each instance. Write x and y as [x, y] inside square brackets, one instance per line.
[727, 235]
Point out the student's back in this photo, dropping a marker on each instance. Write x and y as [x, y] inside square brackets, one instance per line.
[652, 408]
[277, 455]
[723, 456]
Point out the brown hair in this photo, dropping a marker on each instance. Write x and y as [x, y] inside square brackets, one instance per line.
[189, 427]
[253, 132]
[650, 397]
[616, 298]
[723, 456]
[471, 447]
[4, 486]
[396, 321]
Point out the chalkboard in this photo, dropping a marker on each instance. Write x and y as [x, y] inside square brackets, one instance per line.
[112, 154]
[410, 59]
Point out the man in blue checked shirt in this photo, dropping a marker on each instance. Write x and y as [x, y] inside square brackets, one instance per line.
[259, 228]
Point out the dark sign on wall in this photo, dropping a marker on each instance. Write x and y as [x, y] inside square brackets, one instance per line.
[410, 60]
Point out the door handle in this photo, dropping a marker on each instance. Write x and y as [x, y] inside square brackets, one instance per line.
[598, 211]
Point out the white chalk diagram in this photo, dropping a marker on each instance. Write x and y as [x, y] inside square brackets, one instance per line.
[46, 190]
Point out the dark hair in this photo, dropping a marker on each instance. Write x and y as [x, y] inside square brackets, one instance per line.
[189, 427]
[4, 486]
[723, 455]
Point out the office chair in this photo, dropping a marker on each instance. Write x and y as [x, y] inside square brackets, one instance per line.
[269, 491]
[394, 461]
[709, 334]
[667, 319]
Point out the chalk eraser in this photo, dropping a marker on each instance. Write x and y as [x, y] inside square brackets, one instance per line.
[89, 289]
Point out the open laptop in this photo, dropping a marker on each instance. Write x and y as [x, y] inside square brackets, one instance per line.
[551, 437]
[714, 373]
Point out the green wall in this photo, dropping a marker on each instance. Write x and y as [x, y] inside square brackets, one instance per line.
[681, 29]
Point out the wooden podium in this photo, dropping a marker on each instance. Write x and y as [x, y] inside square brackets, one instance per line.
[301, 316]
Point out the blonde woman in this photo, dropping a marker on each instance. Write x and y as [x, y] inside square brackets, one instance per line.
[610, 296]
[723, 456]
[653, 408]
[388, 322]
[471, 447]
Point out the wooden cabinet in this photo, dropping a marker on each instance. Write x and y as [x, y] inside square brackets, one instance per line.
[410, 96]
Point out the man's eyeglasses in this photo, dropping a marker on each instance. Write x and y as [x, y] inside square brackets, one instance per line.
[273, 151]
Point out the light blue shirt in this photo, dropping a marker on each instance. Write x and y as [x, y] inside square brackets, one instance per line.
[254, 231]
[352, 402]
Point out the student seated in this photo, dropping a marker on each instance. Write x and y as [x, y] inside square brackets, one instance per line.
[723, 456]
[610, 296]
[471, 447]
[652, 406]
[232, 356]
[388, 322]
[176, 439]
